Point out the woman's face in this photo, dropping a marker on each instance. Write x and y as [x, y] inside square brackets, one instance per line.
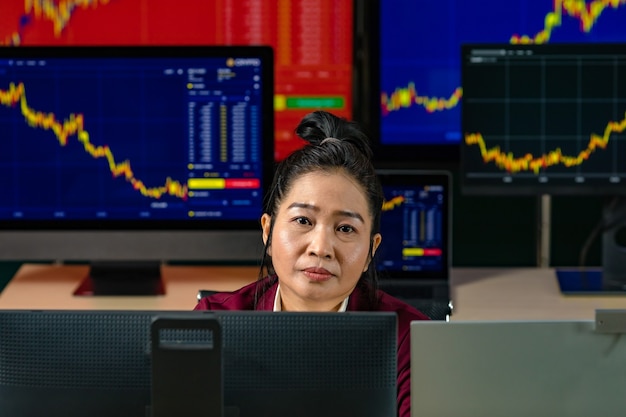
[321, 240]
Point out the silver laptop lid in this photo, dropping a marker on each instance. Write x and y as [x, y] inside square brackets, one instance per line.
[516, 368]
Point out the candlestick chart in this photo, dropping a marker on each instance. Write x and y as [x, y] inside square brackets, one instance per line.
[545, 117]
[74, 127]
[69, 158]
[421, 93]
[393, 202]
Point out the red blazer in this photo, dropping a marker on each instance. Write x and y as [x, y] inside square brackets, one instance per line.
[243, 299]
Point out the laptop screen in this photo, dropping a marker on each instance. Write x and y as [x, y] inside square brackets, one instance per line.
[415, 225]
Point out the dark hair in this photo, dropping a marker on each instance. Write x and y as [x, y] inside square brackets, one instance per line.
[347, 150]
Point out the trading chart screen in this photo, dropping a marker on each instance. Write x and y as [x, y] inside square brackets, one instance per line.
[413, 228]
[312, 40]
[415, 224]
[137, 134]
[544, 119]
[421, 94]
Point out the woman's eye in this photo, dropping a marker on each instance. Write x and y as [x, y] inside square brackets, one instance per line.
[345, 228]
[302, 220]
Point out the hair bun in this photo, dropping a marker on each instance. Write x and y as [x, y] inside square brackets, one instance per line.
[320, 127]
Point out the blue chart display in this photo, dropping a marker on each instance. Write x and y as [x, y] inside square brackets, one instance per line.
[131, 138]
[420, 41]
[412, 228]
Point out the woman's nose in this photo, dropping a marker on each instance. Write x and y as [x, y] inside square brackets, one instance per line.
[321, 244]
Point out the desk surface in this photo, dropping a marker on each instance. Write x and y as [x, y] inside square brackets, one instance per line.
[521, 294]
[477, 293]
[37, 286]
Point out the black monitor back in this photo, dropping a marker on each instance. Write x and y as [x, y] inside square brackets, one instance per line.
[98, 363]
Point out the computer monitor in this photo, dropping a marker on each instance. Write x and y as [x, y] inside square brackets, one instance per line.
[413, 261]
[415, 225]
[134, 154]
[312, 40]
[99, 363]
[414, 78]
[518, 368]
[543, 119]
[549, 119]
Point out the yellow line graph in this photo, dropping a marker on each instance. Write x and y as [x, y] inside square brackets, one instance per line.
[393, 203]
[528, 162]
[74, 125]
[59, 13]
[587, 13]
[407, 97]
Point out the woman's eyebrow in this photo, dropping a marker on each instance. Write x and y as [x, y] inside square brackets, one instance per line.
[352, 214]
[304, 206]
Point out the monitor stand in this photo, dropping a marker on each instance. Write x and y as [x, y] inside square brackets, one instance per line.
[122, 278]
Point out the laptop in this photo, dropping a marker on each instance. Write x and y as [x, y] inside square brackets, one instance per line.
[517, 369]
[414, 258]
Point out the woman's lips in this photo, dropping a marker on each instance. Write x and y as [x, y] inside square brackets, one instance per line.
[317, 274]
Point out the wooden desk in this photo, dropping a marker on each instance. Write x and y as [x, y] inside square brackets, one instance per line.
[521, 294]
[37, 286]
[477, 293]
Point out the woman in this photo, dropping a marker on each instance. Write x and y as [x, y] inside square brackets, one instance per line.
[321, 231]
